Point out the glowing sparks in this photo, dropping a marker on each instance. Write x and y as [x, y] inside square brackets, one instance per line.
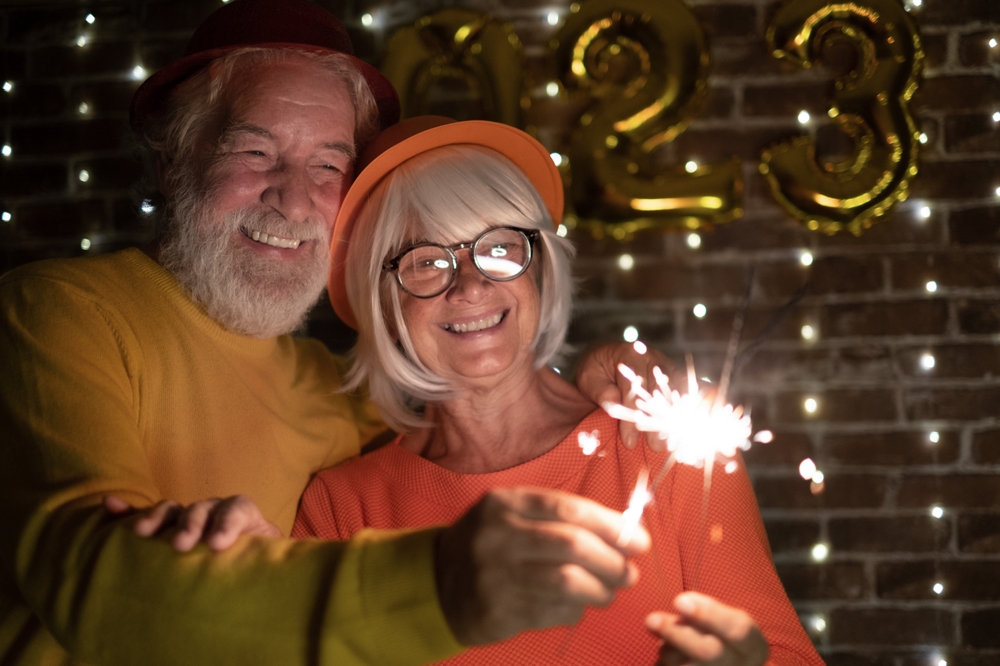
[630, 334]
[636, 503]
[589, 442]
[640, 347]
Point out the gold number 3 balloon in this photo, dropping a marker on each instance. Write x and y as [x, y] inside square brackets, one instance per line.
[870, 106]
[640, 67]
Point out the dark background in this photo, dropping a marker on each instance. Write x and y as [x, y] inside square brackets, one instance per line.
[868, 305]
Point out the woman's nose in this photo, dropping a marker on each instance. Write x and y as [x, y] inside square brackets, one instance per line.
[469, 284]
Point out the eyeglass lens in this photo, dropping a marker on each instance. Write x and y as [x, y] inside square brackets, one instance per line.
[500, 254]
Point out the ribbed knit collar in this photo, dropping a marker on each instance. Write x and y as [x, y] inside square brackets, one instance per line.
[553, 469]
[180, 298]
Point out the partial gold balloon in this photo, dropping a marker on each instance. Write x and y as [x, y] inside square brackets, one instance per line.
[870, 105]
[639, 68]
[457, 62]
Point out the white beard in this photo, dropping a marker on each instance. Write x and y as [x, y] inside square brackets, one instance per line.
[247, 293]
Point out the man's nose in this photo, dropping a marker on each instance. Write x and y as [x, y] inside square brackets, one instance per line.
[289, 191]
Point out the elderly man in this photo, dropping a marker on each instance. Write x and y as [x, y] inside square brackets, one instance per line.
[171, 375]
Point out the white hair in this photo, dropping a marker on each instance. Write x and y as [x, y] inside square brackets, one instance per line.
[446, 195]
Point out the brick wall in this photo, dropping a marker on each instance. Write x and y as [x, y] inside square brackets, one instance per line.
[893, 438]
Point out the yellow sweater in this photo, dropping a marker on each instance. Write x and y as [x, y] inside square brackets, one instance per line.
[113, 381]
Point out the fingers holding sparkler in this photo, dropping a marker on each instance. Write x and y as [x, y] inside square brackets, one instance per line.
[706, 631]
[529, 559]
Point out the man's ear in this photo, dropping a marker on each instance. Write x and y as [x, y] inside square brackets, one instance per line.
[163, 164]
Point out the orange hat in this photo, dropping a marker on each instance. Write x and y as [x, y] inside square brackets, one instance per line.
[412, 137]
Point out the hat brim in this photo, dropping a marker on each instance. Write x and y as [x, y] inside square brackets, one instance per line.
[152, 95]
[530, 157]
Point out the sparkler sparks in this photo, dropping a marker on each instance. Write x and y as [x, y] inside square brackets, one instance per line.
[588, 441]
[636, 503]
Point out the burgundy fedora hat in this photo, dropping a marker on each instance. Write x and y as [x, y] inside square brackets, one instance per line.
[291, 24]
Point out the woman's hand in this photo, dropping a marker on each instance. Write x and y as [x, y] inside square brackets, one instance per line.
[706, 631]
[217, 522]
[598, 379]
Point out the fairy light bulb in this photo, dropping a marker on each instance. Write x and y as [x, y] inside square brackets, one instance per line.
[806, 258]
[923, 138]
[6, 151]
[693, 241]
[367, 20]
[551, 88]
[804, 117]
[937, 512]
[85, 243]
[6, 216]
[820, 552]
[700, 310]
[938, 588]
[934, 437]
[924, 212]
[931, 286]
[8, 86]
[557, 159]
[808, 332]
[691, 166]
[927, 362]
[626, 262]
[138, 72]
[552, 18]
[562, 230]
[810, 405]
[630, 334]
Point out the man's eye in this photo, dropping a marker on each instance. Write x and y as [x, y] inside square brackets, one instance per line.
[255, 153]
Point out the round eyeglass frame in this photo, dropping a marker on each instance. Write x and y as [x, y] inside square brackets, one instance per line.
[530, 236]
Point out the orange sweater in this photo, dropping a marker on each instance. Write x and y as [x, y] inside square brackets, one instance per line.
[393, 488]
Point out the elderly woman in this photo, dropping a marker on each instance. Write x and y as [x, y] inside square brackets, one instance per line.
[461, 293]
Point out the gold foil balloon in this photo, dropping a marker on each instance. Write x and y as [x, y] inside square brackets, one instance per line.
[457, 62]
[870, 106]
[640, 69]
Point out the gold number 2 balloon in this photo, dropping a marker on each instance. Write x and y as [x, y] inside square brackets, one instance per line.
[870, 106]
[641, 69]
[461, 56]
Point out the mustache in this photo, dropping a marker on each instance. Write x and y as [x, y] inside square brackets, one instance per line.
[273, 223]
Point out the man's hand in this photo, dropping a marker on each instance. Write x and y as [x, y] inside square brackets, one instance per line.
[217, 522]
[529, 559]
[705, 631]
[598, 378]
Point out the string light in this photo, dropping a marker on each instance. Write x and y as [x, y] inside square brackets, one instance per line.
[631, 334]
[808, 332]
[996, 116]
[6, 151]
[5, 216]
[367, 20]
[147, 207]
[807, 468]
[90, 19]
[693, 241]
[993, 42]
[8, 86]
[700, 310]
[810, 405]
[562, 230]
[552, 18]
[691, 166]
[84, 243]
[626, 262]
[551, 88]
[931, 286]
[575, 7]
[640, 347]
[927, 361]
[83, 109]
[81, 41]
[138, 72]
[83, 176]
[820, 552]
[818, 623]
[998, 191]
[804, 117]
[806, 258]
[937, 512]
[557, 159]
[924, 212]
[934, 437]
[938, 588]
[923, 138]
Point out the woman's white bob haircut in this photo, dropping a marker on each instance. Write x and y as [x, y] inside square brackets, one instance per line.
[448, 194]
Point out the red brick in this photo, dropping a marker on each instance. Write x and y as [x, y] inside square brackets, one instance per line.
[856, 657]
[935, 50]
[787, 100]
[19, 180]
[106, 97]
[953, 491]
[787, 449]
[771, 367]
[849, 491]
[956, 269]
[974, 49]
[791, 535]
[108, 173]
[865, 362]
[678, 281]
[981, 361]
[836, 580]
[70, 137]
[837, 405]
[902, 226]
[829, 275]
[975, 226]
[891, 626]
[727, 20]
[711, 146]
[94, 58]
[33, 101]
[889, 535]
[972, 133]
[960, 93]
[979, 533]
[891, 448]
[607, 327]
[979, 628]
[755, 234]
[748, 60]
[979, 317]
[956, 12]
[718, 104]
[717, 324]
[967, 404]
[51, 220]
[986, 447]
[967, 581]
[956, 180]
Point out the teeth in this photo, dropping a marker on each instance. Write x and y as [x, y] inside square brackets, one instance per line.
[273, 241]
[473, 326]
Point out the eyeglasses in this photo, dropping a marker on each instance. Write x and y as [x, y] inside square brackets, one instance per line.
[428, 269]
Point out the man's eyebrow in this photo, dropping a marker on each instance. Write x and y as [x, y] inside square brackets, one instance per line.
[232, 130]
[343, 147]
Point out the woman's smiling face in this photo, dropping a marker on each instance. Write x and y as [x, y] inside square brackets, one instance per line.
[477, 328]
